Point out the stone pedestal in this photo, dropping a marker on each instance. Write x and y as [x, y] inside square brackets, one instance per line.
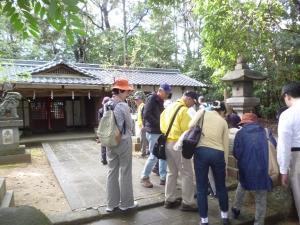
[10, 150]
[242, 105]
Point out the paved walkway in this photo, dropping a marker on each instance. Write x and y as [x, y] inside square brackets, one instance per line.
[82, 177]
[77, 134]
[162, 216]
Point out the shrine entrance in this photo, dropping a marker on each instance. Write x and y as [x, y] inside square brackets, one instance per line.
[47, 115]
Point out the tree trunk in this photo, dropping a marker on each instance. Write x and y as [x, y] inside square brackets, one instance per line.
[124, 33]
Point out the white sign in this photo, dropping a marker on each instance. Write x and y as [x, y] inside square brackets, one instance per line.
[7, 136]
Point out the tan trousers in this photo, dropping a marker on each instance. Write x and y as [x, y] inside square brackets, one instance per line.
[295, 179]
[177, 164]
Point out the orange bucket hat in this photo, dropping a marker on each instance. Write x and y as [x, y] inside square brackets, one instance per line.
[122, 84]
[248, 118]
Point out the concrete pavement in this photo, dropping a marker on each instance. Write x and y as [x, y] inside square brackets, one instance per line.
[77, 166]
[82, 177]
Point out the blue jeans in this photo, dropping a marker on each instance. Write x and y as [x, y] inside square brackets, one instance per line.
[152, 159]
[204, 158]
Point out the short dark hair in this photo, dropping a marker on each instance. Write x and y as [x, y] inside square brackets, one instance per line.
[117, 91]
[292, 89]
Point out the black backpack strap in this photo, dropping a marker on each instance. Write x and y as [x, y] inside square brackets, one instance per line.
[172, 121]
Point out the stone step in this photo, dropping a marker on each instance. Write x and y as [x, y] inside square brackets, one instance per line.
[2, 188]
[8, 200]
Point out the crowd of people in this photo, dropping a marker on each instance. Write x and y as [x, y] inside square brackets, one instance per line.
[222, 133]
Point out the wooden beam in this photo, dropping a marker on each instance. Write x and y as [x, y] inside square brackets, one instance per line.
[37, 86]
[84, 87]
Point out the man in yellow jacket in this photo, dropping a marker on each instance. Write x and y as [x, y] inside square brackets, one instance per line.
[139, 97]
[176, 163]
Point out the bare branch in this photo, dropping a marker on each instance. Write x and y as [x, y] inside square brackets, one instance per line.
[92, 20]
[140, 19]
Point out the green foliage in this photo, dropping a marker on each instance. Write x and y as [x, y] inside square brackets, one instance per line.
[24, 16]
[152, 49]
[105, 48]
[265, 33]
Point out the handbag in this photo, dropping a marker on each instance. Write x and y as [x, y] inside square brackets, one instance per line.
[191, 139]
[159, 149]
[273, 168]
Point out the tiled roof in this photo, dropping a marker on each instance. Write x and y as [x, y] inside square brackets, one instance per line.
[92, 74]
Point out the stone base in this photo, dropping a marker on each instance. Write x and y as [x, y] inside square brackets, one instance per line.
[16, 158]
[136, 147]
[16, 151]
[233, 172]
[136, 139]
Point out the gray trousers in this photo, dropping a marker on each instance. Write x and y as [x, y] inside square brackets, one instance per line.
[119, 179]
[260, 203]
[295, 179]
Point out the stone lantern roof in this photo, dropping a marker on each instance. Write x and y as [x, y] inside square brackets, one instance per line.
[242, 72]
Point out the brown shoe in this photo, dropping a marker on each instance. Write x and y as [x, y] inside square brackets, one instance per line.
[146, 182]
[171, 205]
[162, 182]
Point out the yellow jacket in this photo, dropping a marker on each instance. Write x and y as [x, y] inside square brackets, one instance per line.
[181, 121]
[139, 115]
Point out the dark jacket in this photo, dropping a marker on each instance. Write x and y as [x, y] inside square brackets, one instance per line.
[151, 114]
[251, 150]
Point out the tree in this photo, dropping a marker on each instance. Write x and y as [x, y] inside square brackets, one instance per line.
[266, 33]
[24, 16]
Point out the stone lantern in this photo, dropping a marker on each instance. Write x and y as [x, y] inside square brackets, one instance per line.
[10, 150]
[242, 79]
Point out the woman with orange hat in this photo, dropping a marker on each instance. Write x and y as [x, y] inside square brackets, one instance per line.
[119, 158]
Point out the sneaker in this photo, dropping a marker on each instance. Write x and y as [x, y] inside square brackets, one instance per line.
[188, 208]
[104, 162]
[225, 221]
[135, 204]
[171, 205]
[109, 210]
[162, 182]
[235, 212]
[146, 182]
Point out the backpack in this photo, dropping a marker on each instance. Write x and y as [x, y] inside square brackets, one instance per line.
[108, 131]
[273, 168]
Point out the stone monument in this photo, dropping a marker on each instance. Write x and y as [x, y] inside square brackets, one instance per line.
[242, 79]
[242, 101]
[10, 150]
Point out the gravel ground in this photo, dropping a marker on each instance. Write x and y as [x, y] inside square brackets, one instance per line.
[34, 184]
